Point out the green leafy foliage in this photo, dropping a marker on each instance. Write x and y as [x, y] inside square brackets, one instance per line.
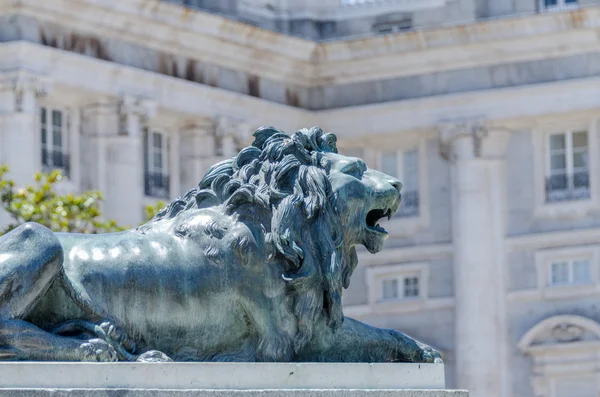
[152, 209]
[40, 203]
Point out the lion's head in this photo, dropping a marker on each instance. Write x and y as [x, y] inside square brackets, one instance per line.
[313, 205]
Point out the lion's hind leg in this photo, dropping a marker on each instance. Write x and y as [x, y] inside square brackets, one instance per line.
[30, 259]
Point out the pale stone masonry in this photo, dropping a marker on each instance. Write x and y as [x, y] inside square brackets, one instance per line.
[489, 111]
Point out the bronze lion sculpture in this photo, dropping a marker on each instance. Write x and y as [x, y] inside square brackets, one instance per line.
[248, 266]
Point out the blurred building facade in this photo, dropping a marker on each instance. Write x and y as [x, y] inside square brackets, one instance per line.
[488, 110]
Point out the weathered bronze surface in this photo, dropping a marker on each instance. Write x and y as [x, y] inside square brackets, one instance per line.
[249, 266]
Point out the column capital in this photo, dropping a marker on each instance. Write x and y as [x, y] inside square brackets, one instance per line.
[135, 111]
[20, 81]
[200, 127]
[468, 139]
[26, 87]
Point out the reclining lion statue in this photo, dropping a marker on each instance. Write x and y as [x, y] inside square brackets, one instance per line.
[248, 266]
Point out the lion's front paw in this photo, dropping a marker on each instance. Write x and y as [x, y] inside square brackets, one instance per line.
[118, 335]
[430, 355]
[97, 350]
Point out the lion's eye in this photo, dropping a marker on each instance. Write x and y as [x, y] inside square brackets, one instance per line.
[354, 169]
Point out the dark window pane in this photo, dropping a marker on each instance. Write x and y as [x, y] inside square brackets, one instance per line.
[44, 136]
[580, 139]
[557, 182]
[549, 3]
[156, 140]
[558, 162]
[57, 118]
[44, 116]
[570, 1]
[57, 138]
[581, 179]
[557, 142]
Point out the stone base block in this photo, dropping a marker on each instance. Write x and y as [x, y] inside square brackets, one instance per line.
[228, 393]
[29, 379]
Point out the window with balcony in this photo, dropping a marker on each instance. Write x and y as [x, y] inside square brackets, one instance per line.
[404, 166]
[54, 140]
[568, 168]
[156, 175]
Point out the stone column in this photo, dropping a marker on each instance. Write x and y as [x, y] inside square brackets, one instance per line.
[114, 161]
[478, 181]
[197, 152]
[20, 142]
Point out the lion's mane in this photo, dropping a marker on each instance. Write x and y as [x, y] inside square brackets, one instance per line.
[280, 183]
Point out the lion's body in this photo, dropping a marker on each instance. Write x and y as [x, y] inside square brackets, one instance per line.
[249, 266]
[190, 296]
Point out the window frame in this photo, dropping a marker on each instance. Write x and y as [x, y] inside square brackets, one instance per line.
[546, 257]
[569, 153]
[399, 174]
[65, 148]
[149, 166]
[406, 226]
[564, 209]
[376, 275]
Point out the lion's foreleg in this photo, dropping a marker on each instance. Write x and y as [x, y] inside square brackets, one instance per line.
[274, 344]
[358, 342]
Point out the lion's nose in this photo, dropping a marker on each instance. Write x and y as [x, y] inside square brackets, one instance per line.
[396, 184]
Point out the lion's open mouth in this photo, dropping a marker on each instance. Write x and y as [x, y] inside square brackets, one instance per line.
[374, 216]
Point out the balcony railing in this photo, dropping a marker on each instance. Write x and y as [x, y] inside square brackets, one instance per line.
[568, 187]
[156, 185]
[56, 160]
[410, 204]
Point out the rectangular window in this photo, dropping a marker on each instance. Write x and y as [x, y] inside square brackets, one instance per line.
[403, 287]
[568, 167]
[54, 139]
[156, 175]
[404, 166]
[575, 272]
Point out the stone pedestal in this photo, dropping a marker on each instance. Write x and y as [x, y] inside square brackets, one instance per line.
[30, 379]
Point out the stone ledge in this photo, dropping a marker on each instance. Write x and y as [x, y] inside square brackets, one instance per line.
[228, 393]
[237, 376]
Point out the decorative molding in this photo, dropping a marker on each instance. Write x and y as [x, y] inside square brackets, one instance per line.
[554, 327]
[563, 347]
